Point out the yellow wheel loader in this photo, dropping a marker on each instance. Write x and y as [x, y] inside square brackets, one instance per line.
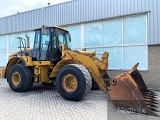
[51, 60]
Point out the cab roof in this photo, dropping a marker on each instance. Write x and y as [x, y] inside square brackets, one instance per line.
[52, 27]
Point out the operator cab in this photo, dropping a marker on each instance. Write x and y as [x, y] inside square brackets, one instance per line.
[47, 43]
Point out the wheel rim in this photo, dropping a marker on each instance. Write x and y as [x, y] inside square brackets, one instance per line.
[69, 83]
[16, 78]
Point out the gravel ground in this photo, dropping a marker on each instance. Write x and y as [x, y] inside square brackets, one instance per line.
[45, 103]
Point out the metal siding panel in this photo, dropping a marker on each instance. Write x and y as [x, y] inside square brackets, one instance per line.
[46, 17]
[143, 5]
[103, 8]
[80, 12]
[65, 14]
[151, 24]
[83, 11]
[129, 6]
[3, 25]
[7, 24]
[112, 8]
[132, 6]
[115, 8]
[91, 15]
[62, 13]
[32, 20]
[74, 13]
[13, 24]
[155, 14]
[18, 26]
[52, 18]
[98, 11]
[136, 5]
[139, 5]
[158, 19]
[23, 21]
[27, 22]
[35, 20]
[20, 23]
[93, 10]
[81, 15]
[54, 15]
[59, 13]
[26, 18]
[153, 40]
[125, 9]
[69, 14]
[118, 8]
[87, 11]
[108, 8]
[122, 7]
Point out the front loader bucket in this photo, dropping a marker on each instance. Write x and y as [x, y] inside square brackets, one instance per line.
[129, 92]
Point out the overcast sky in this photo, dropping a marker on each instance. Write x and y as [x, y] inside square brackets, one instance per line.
[10, 7]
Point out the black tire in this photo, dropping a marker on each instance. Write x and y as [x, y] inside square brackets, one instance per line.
[84, 82]
[25, 75]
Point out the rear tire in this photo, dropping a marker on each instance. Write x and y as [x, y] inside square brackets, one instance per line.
[73, 82]
[20, 78]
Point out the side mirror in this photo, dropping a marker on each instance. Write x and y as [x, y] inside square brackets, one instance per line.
[43, 30]
[27, 40]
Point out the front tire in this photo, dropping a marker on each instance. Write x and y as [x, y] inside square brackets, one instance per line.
[20, 78]
[73, 82]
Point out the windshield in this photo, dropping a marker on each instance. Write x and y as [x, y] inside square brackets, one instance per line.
[61, 37]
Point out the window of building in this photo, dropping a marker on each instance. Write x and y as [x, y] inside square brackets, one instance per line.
[3, 43]
[124, 38]
[31, 35]
[75, 32]
[3, 50]
[3, 58]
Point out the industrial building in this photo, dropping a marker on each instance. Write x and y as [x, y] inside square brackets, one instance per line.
[127, 29]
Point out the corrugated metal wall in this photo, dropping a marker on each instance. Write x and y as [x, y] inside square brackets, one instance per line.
[84, 10]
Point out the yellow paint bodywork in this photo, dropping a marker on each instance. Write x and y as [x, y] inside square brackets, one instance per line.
[40, 68]
[96, 67]
[2, 72]
[44, 70]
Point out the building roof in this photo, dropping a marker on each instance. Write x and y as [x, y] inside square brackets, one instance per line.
[80, 11]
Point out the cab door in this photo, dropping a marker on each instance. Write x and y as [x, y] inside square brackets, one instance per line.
[41, 44]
